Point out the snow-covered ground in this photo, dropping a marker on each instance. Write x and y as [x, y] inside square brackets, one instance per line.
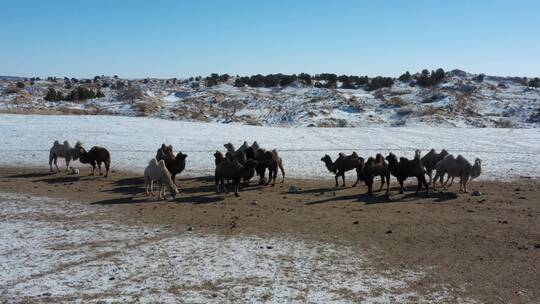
[54, 251]
[26, 139]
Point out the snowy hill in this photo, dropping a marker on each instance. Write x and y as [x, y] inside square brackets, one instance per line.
[460, 100]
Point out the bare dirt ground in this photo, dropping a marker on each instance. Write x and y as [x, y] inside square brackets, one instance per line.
[485, 247]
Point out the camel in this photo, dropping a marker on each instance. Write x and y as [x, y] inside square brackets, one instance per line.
[373, 167]
[430, 160]
[64, 151]
[343, 164]
[458, 167]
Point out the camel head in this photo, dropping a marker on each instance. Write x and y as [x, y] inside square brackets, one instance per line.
[255, 146]
[328, 162]
[243, 146]
[477, 168]
[218, 156]
[391, 158]
[76, 150]
[417, 153]
[181, 156]
[443, 153]
[229, 147]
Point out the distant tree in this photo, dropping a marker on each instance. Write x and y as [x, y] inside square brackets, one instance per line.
[115, 76]
[105, 85]
[130, 94]
[286, 80]
[306, 78]
[191, 78]
[80, 94]
[438, 75]
[271, 80]
[211, 81]
[479, 78]
[20, 84]
[53, 95]
[238, 82]
[224, 77]
[362, 80]
[256, 81]
[119, 85]
[379, 82]
[96, 78]
[405, 77]
[535, 83]
[424, 79]
[99, 94]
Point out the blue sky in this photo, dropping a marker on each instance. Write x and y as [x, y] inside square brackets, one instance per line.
[185, 38]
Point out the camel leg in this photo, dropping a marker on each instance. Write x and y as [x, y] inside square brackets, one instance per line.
[236, 187]
[424, 182]
[107, 166]
[50, 163]
[152, 187]
[451, 182]
[146, 184]
[67, 164]
[93, 169]
[388, 184]
[274, 176]
[99, 167]
[357, 178]
[56, 164]
[282, 172]
[336, 177]
[382, 183]
[400, 187]
[173, 177]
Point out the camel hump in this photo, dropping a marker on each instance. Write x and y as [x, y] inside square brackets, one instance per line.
[341, 155]
[66, 143]
[152, 162]
[354, 154]
[56, 143]
[274, 151]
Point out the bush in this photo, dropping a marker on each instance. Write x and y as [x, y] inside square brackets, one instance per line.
[479, 78]
[306, 78]
[20, 84]
[379, 82]
[535, 83]
[405, 77]
[53, 95]
[426, 80]
[80, 94]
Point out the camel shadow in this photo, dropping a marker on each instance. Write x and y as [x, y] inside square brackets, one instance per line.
[120, 201]
[198, 199]
[325, 189]
[437, 197]
[32, 175]
[57, 180]
[128, 186]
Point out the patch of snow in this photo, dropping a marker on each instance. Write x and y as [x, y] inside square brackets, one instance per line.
[56, 255]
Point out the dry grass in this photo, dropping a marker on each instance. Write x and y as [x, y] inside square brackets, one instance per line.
[149, 107]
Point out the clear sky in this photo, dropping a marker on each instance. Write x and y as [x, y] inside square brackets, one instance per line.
[189, 38]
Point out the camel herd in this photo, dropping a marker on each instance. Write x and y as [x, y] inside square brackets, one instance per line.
[242, 164]
[443, 163]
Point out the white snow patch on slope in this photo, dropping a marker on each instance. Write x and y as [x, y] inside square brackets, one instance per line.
[55, 251]
[506, 153]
